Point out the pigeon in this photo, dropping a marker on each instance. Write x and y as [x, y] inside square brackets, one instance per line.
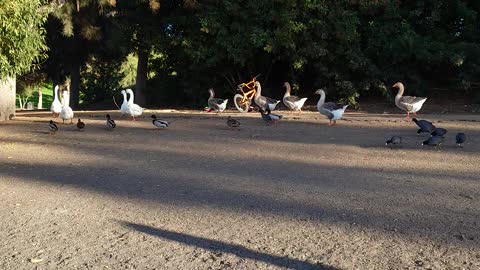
[439, 132]
[424, 126]
[269, 117]
[233, 123]
[434, 141]
[159, 123]
[52, 127]
[80, 125]
[461, 138]
[110, 122]
[395, 140]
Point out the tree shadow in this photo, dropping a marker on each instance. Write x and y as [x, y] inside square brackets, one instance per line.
[219, 246]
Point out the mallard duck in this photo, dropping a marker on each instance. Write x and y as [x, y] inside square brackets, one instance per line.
[460, 139]
[56, 107]
[80, 124]
[434, 141]
[233, 123]
[216, 104]
[159, 123]
[410, 104]
[292, 102]
[133, 109]
[52, 127]
[395, 140]
[440, 132]
[264, 102]
[268, 117]
[110, 122]
[124, 108]
[66, 113]
[331, 110]
[424, 126]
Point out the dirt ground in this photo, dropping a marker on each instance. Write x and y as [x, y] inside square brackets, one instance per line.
[296, 195]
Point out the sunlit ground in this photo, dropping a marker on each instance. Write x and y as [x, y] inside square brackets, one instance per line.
[296, 195]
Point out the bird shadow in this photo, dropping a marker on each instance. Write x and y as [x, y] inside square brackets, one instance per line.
[219, 246]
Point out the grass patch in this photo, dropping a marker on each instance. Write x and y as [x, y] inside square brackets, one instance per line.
[47, 97]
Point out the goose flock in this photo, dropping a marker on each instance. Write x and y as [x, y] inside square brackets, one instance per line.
[332, 110]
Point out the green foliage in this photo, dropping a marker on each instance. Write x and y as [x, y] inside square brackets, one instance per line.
[22, 36]
[100, 80]
[353, 48]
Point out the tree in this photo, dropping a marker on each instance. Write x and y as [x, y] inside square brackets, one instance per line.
[22, 45]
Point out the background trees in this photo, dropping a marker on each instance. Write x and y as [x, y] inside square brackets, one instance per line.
[181, 48]
[22, 43]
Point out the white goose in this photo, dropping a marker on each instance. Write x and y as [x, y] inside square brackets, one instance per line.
[262, 101]
[56, 104]
[216, 104]
[124, 108]
[410, 104]
[292, 102]
[66, 113]
[331, 110]
[133, 109]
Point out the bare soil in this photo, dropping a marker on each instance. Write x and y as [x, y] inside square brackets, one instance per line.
[296, 195]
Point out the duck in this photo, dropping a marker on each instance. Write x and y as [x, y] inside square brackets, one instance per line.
[294, 103]
[232, 123]
[80, 125]
[133, 109]
[66, 113]
[159, 123]
[52, 127]
[410, 104]
[424, 125]
[56, 107]
[395, 140]
[440, 132]
[124, 108]
[216, 104]
[264, 102]
[268, 117]
[460, 139]
[331, 110]
[434, 141]
[110, 122]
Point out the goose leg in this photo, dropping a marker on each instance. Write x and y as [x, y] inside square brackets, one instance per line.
[330, 124]
[414, 114]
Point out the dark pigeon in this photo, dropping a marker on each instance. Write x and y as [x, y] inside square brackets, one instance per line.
[439, 132]
[395, 140]
[434, 141]
[461, 138]
[424, 126]
[269, 117]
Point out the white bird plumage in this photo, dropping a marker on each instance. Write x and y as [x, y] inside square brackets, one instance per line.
[124, 108]
[56, 107]
[263, 101]
[133, 109]
[410, 104]
[331, 110]
[292, 102]
[66, 113]
[216, 104]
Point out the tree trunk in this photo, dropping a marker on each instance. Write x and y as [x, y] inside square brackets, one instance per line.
[7, 99]
[75, 86]
[40, 99]
[141, 79]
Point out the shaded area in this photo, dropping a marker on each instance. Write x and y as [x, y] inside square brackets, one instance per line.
[233, 172]
[218, 246]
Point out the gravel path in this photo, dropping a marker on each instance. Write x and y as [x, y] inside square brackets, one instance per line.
[296, 195]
